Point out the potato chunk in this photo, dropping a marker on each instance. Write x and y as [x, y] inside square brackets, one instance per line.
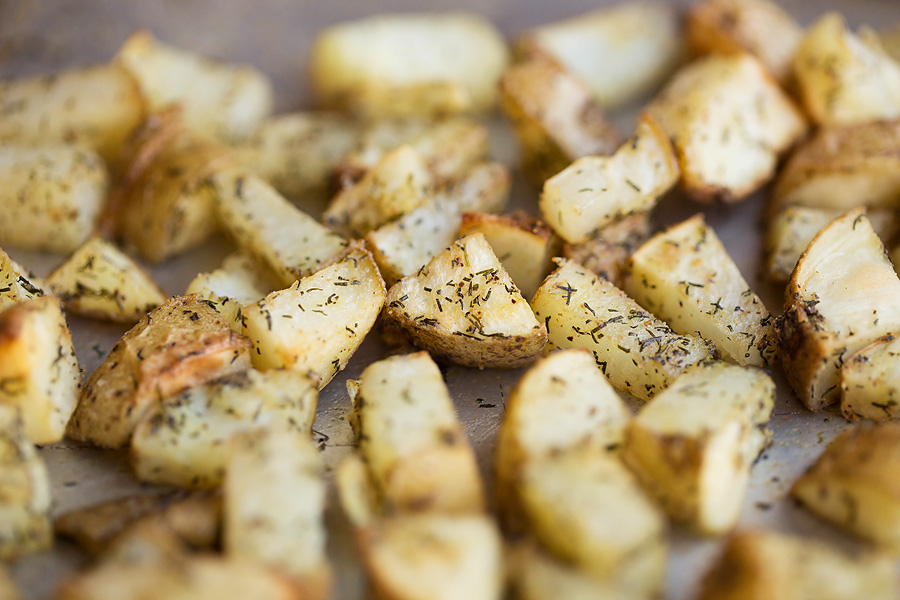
[841, 297]
[637, 352]
[606, 252]
[463, 307]
[17, 284]
[870, 387]
[537, 575]
[693, 446]
[181, 344]
[241, 280]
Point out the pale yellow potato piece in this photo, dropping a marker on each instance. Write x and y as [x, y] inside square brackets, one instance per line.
[241, 280]
[8, 590]
[537, 575]
[870, 381]
[606, 252]
[17, 284]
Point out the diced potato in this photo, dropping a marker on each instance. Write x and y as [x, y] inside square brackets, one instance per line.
[870, 387]
[409, 64]
[269, 227]
[17, 284]
[841, 297]
[729, 122]
[607, 251]
[409, 436]
[274, 504]
[356, 491]
[637, 352]
[693, 446]
[621, 52]
[844, 78]
[39, 373]
[94, 107]
[483, 188]
[595, 191]
[52, 197]
[759, 565]
[102, 282]
[319, 322]
[185, 439]
[555, 117]
[685, 276]
[241, 280]
[464, 308]
[148, 541]
[181, 344]
[398, 183]
[759, 27]
[536, 575]
[223, 100]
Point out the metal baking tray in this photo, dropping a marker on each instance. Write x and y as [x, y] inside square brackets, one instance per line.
[274, 35]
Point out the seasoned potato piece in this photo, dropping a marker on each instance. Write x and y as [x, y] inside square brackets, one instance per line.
[409, 64]
[685, 276]
[94, 107]
[759, 565]
[842, 296]
[38, 370]
[223, 100]
[483, 188]
[554, 116]
[185, 439]
[274, 505]
[693, 446]
[595, 191]
[729, 122]
[464, 308]
[759, 27]
[870, 388]
[17, 284]
[181, 344]
[52, 197]
[102, 282]
[24, 491]
[536, 575]
[417, 453]
[241, 280]
[269, 227]
[319, 322]
[621, 52]
[356, 491]
[637, 352]
[608, 249]
[844, 78]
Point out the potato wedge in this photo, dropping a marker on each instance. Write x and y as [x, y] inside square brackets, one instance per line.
[693, 446]
[870, 388]
[841, 297]
[319, 322]
[637, 352]
[181, 344]
[685, 276]
[729, 122]
[412, 63]
[223, 100]
[52, 197]
[102, 282]
[411, 440]
[608, 249]
[464, 308]
[184, 440]
[17, 283]
[241, 280]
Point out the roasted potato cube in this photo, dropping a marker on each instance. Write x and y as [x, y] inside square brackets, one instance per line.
[693, 446]
[608, 249]
[758, 565]
[534, 574]
[685, 276]
[356, 491]
[595, 191]
[39, 373]
[222, 100]
[841, 297]
[870, 388]
[319, 322]
[729, 122]
[274, 505]
[17, 284]
[555, 117]
[410, 438]
[52, 197]
[102, 282]
[621, 52]
[637, 352]
[94, 107]
[405, 64]
[181, 344]
[483, 188]
[464, 308]
[185, 440]
[844, 78]
[241, 280]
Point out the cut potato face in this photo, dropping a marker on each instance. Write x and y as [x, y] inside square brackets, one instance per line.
[181, 344]
[17, 283]
[637, 352]
[870, 387]
[241, 280]
[537, 575]
[464, 308]
[841, 297]
[607, 251]
[595, 191]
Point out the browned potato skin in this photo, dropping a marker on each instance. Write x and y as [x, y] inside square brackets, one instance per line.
[183, 343]
[607, 252]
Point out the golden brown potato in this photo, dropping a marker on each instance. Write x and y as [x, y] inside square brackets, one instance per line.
[607, 250]
[534, 574]
[8, 590]
[890, 41]
[870, 388]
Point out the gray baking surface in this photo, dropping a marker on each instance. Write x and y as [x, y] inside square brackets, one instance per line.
[44, 35]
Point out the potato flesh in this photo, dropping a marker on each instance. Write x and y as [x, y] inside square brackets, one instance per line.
[17, 283]
[538, 576]
[606, 252]
[241, 280]
[870, 388]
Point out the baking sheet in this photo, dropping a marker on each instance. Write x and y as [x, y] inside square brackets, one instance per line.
[274, 35]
